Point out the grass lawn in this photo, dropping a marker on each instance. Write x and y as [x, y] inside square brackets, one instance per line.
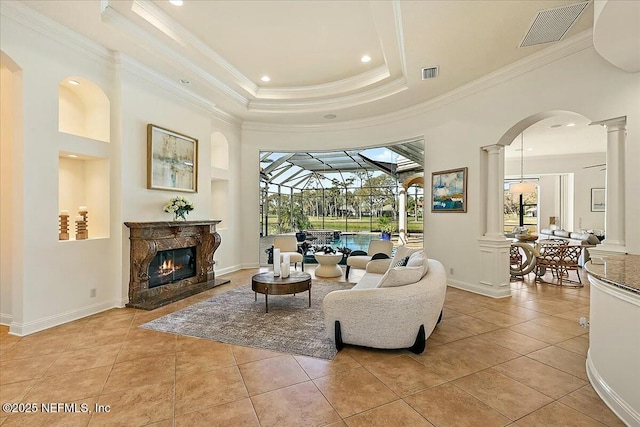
[352, 224]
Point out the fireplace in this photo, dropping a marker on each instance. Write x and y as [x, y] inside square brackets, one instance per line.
[170, 261]
[171, 266]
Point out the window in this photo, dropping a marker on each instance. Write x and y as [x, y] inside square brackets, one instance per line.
[520, 210]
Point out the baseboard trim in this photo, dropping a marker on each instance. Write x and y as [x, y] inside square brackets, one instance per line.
[228, 270]
[479, 289]
[22, 329]
[250, 265]
[626, 413]
[5, 319]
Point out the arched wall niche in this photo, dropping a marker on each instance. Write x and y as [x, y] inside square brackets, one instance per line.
[219, 151]
[83, 109]
[220, 178]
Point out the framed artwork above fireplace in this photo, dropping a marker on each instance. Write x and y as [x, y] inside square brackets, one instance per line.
[172, 160]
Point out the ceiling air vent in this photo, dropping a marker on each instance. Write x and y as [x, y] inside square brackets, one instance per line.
[552, 24]
[429, 73]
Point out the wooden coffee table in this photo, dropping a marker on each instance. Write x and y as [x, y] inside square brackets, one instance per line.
[267, 284]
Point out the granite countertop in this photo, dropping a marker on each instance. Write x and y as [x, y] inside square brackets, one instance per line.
[622, 271]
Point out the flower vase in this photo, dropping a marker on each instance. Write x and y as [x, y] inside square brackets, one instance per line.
[179, 215]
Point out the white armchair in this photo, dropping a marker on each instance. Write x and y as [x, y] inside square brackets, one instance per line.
[359, 259]
[288, 245]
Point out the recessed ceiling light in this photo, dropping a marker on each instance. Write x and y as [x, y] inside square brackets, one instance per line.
[571, 125]
[74, 82]
[265, 79]
[555, 126]
[185, 81]
[330, 116]
[365, 59]
[73, 156]
[176, 2]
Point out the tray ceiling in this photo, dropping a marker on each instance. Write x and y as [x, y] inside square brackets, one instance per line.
[311, 50]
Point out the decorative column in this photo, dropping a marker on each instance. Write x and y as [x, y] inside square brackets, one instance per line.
[494, 247]
[402, 219]
[495, 191]
[614, 217]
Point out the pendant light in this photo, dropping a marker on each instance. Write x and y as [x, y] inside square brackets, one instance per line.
[522, 186]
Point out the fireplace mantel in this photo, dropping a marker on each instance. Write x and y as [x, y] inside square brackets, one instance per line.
[148, 238]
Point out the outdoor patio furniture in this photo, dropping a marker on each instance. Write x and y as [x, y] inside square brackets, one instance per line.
[359, 259]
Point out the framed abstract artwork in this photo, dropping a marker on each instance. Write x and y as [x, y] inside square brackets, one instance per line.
[449, 190]
[598, 199]
[172, 160]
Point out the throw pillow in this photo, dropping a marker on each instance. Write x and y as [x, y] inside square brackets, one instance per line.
[402, 262]
[418, 259]
[400, 276]
[401, 252]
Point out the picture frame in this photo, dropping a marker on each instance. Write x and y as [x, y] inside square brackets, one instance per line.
[172, 160]
[449, 190]
[598, 200]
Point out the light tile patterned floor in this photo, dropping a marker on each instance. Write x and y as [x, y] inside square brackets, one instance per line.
[517, 361]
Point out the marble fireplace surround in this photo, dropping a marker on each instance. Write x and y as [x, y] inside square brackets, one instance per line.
[148, 238]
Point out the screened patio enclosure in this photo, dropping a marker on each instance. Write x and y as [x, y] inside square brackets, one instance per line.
[347, 191]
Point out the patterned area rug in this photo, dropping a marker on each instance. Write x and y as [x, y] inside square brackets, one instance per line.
[235, 318]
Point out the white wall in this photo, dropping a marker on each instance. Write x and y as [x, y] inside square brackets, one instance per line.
[454, 132]
[56, 277]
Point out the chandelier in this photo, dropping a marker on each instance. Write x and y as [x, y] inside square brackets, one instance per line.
[522, 186]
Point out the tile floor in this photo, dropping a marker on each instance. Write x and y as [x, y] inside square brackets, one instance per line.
[517, 361]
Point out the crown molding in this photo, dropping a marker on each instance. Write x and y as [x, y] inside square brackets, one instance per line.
[156, 17]
[161, 50]
[51, 29]
[164, 23]
[539, 59]
[386, 90]
[150, 76]
[397, 15]
[327, 89]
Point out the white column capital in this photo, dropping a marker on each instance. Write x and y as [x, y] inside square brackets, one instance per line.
[613, 125]
[493, 149]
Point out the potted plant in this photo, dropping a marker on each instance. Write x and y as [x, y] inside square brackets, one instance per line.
[301, 223]
[386, 227]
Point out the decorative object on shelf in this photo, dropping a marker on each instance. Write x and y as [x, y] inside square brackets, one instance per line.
[598, 200]
[64, 225]
[82, 210]
[522, 186]
[449, 190]
[172, 160]
[81, 228]
[179, 207]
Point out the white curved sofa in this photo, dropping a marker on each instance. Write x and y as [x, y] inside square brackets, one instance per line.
[388, 317]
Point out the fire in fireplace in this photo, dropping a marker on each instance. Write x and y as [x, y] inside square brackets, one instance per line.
[172, 266]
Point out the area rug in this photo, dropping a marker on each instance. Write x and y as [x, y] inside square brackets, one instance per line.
[291, 326]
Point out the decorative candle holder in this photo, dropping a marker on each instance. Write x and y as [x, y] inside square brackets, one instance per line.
[64, 227]
[85, 218]
[81, 229]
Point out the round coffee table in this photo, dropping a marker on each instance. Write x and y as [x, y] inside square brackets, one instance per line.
[267, 284]
[328, 264]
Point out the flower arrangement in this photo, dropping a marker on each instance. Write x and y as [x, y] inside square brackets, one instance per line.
[179, 207]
